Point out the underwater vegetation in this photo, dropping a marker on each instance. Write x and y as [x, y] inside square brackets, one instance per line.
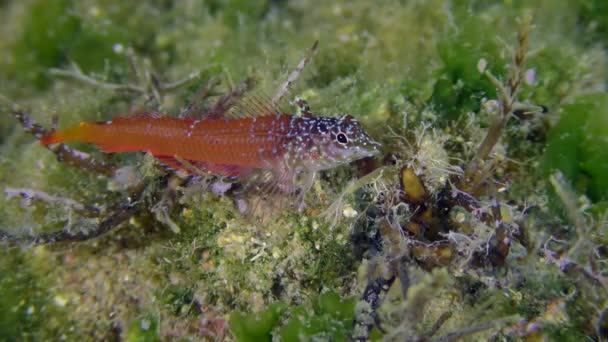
[483, 217]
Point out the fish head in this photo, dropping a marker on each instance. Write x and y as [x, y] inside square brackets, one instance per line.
[338, 141]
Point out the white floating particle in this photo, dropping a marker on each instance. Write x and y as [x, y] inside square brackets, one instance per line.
[481, 65]
[118, 48]
[145, 324]
[60, 300]
[460, 218]
[530, 76]
[349, 212]
[276, 255]
[94, 11]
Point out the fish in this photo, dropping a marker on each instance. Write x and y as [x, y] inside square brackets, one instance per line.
[289, 148]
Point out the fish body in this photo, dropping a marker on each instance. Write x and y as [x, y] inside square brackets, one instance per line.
[233, 147]
[276, 156]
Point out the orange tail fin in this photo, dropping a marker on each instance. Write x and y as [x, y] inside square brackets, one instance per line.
[80, 132]
[52, 138]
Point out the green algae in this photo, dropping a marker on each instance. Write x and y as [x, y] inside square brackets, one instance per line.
[257, 327]
[28, 309]
[143, 330]
[325, 317]
[460, 87]
[577, 146]
[392, 64]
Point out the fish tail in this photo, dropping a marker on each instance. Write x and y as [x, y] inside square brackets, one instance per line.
[81, 132]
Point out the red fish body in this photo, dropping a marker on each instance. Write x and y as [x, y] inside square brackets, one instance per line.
[245, 142]
[289, 149]
[279, 142]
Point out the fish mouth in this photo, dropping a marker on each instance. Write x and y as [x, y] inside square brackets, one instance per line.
[373, 148]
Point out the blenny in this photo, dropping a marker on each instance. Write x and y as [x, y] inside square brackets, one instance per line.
[290, 149]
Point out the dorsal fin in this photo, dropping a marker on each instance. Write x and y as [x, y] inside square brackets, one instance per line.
[223, 104]
[236, 104]
[140, 112]
[255, 104]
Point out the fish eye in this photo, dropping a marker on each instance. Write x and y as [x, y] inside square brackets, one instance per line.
[341, 138]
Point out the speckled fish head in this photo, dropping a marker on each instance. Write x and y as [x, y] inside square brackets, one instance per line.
[330, 142]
